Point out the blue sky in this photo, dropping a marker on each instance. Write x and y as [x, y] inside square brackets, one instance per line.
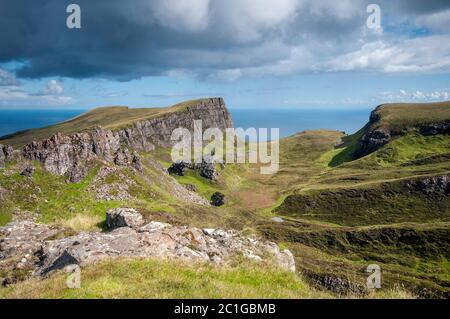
[256, 54]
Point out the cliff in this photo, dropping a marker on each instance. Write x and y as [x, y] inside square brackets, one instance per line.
[389, 121]
[62, 154]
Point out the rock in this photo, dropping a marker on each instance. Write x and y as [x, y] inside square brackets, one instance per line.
[6, 153]
[179, 168]
[121, 157]
[28, 171]
[191, 187]
[435, 128]
[430, 185]
[155, 239]
[218, 199]
[77, 173]
[207, 170]
[123, 217]
[24, 237]
[372, 140]
[137, 163]
[2, 157]
[277, 219]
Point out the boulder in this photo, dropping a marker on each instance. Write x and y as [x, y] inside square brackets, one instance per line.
[137, 163]
[218, 199]
[122, 157]
[123, 217]
[28, 171]
[191, 188]
[178, 168]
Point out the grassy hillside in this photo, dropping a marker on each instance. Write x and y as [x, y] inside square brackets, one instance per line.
[107, 117]
[397, 117]
[340, 215]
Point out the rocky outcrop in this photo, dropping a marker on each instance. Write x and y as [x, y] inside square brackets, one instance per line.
[205, 168]
[145, 135]
[123, 217]
[383, 127]
[218, 199]
[435, 128]
[23, 238]
[154, 239]
[60, 153]
[430, 185]
[372, 140]
[6, 153]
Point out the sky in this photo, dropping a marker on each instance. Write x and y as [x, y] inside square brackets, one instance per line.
[254, 53]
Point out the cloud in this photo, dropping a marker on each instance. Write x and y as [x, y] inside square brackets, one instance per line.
[431, 54]
[53, 87]
[12, 93]
[7, 79]
[416, 95]
[222, 40]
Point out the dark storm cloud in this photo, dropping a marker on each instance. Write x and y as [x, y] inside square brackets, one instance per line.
[129, 39]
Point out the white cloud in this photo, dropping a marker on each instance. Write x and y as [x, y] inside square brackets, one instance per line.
[439, 21]
[417, 95]
[419, 55]
[53, 87]
[227, 75]
[50, 94]
[184, 15]
[7, 79]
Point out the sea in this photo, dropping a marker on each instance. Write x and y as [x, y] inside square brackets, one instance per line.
[289, 121]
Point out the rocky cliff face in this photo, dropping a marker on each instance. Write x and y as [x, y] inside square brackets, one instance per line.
[64, 154]
[376, 135]
[144, 135]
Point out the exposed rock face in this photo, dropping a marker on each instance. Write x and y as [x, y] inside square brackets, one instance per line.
[158, 240]
[430, 185]
[61, 153]
[123, 217]
[6, 153]
[144, 135]
[77, 173]
[122, 157]
[372, 141]
[377, 136]
[136, 162]
[218, 199]
[435, 128]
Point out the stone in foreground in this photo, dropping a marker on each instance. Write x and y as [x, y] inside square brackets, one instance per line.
[123, 217]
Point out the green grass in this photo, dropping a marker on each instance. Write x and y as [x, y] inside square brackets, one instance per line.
[169, 279]
[401, 116]
[413, 147]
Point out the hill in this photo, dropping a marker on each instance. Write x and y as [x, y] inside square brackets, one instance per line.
[336, 212]
[110, 118]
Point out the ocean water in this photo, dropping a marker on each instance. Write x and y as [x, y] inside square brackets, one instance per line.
[288, 121]
[12, 121]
